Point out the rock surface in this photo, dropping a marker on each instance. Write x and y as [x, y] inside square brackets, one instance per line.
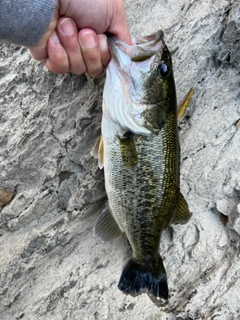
[51, 267]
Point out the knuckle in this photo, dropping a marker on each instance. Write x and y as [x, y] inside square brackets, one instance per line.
[95, 72]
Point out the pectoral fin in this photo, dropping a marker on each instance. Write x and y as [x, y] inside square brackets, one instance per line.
[106, 227]
[183, 214]
[98, 151]
[128, 150]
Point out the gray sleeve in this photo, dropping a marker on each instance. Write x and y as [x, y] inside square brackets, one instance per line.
[24, 21]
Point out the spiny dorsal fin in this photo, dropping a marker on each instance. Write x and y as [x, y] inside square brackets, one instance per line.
[183, 214]
[184, 105]
[98, 150]
[106, 227]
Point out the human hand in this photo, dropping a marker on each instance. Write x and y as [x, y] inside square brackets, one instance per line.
[75, 39]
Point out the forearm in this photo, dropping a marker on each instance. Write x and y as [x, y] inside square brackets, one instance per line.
[24, 22]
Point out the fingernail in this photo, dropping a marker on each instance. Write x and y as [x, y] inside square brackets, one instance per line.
[102, 40]
[88, 40]
[54, 38]
[67, 26]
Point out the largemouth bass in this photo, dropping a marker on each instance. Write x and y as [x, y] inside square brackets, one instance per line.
[139, 151]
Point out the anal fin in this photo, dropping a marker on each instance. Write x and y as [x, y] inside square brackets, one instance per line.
[182, 214]
[106, 227]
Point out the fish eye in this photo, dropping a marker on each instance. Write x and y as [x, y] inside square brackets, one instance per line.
[163, 70]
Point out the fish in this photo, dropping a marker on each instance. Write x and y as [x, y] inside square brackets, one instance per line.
[139, 151]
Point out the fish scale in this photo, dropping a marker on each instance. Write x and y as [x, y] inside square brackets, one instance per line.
[140, 202]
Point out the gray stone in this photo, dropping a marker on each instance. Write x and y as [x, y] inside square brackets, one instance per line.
[51, 267]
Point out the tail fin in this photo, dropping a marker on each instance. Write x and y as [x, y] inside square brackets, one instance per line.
[138, 276]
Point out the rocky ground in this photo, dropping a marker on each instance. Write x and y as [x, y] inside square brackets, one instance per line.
[51, 267]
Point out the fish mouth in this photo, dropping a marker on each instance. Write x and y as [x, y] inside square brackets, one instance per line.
[142, 49]
[145, 47]
[151, 40]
